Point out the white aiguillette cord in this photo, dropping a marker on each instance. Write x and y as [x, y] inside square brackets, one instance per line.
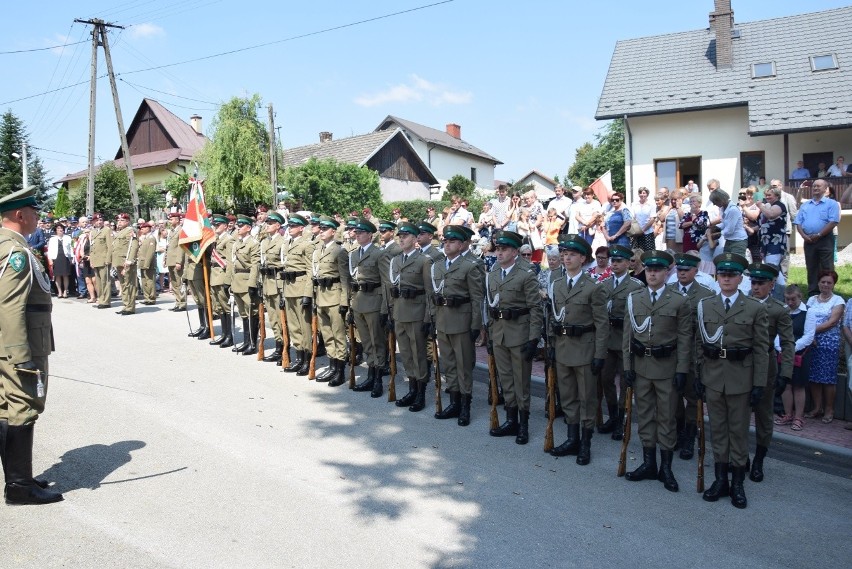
[393, 280]
[439, 289]
[560, 316]
[717, 337]
[638, 328]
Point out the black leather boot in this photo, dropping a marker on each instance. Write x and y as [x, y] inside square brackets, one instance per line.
[687, 445]
[452, 410]
[4, 427]
[367, 384]
[523, 428]
[420, 397]
[276, 355]
[648, 469]
[359, 353]
[510, 427]
[285, 350]
[21, 487]
[296, 362]
[464, 414]
[329, 372]
[720, 487]
[226, 325]
[228, 341]
[407, 399]
[612, 420]
[339, 377]
[254, 329]
[584, 456]
[571, 446]
[246, 338]
[756, 473]
[202, 319]
[738, 497]
[306, 364]
[618, 431]
[680, 422]
[378, 388]
[320, 344]
[206, 325]
[666, 476]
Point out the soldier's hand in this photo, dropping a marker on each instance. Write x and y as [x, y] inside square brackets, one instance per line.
[755, 396]
[629, 377]
[252, 291]
[350, 318]
[426, 328]
[26, 366]
[342, 310]
[307, 301]
[489, 347]
[699, 388]
[390, 325]
[597, 365]
[474, 335]
[781, 384]
[529, 350]
[227, 290]
[383, 320]
[680, 382]
[282, 305]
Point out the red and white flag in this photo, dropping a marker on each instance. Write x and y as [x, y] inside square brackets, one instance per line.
[603, 187]
[196, 233]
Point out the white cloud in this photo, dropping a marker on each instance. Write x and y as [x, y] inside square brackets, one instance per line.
[146, 31]
[582, 122]
[417, 89]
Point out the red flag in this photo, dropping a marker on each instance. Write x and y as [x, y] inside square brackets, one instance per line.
[603, 188]
[196, 233]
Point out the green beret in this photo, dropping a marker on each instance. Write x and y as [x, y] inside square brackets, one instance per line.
[326, 221]
[219, 218]
[244, 220]
[509, 239]
[454, 232]
[684, 261]
[656, 258]
[730, 263]
[407, 227]
[274, 218]
[762, 272]
[621, 252]
[296, 219]
[576, 243]
[19, 199]
[365, 225]
[385, 225]
[427, 228]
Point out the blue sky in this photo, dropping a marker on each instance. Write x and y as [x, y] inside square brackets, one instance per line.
[521, 78]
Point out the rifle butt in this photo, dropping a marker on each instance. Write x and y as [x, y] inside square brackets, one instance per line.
[285, 354]
[625, 442]
[492, 373]
[699, 421]
[312, 367]
[261, 333]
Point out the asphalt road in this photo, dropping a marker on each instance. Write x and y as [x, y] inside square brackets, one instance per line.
[172, 453]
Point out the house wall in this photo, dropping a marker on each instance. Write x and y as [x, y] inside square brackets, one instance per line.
[394, 190]
[837, 141]
[542, 188]
[445, 164]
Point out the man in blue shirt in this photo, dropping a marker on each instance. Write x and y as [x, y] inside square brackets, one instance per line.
[800, 173]
[815, 223]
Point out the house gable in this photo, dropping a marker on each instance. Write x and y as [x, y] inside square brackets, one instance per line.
[436, 137]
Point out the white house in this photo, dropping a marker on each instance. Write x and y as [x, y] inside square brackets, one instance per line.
[541, 184]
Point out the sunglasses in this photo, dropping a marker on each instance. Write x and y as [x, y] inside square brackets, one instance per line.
[526, 255]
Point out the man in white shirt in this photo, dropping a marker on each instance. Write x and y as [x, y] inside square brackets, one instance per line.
[561, 203]
[839, 169]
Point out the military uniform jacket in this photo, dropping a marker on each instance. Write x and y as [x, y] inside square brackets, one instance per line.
[221, 276]
[272, 258]
[585, 305]
[780, 324]
[147, 256]
[244, 265]
[331, 262]
[175, 254]
[519, 290]
[413, 274]
[389, 251]
[616, 302]
[24, 333]
[463, 280]
[125, 246]
[745, 326]
[100, 250]
[297, 259]
[670, 325]
[365, 269]
[434, 253]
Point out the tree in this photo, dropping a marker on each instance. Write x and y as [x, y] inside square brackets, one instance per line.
[592, 161]
[459, 186]
[329, 186]
[112, 192]
[236, 160]
[178, 185]
[62, 207]
[12, 136]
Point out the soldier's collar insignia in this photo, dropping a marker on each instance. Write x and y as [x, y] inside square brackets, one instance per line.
[18, 261]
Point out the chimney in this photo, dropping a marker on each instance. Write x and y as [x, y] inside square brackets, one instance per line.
[325, 137]
[195, 121]
[454, 130]
[722, 23]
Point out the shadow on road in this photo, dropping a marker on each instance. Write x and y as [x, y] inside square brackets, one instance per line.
[88, 466]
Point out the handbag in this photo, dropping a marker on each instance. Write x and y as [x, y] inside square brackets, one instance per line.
[635, 229]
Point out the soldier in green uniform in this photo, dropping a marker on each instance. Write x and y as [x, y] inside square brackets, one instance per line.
[657, 347]
[425, 240]
[220, 281]
[617, 288]
[685, 418]
[271, 263]
[580, 332]
[27, 334]
[349, 245]
[390, 249]
[125, 247]
[368, 305]
[763, 279]
[456, 286]
[330, 272]
[175, 261]
[298, 292]
[732, 356]
[100, 256]
[243, 272]
[514, 309]
[147, 261]
[193, 274]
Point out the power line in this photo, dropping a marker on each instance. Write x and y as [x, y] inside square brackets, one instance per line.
[39, 48]
[139, 88]
[135, 85]
[57, 152]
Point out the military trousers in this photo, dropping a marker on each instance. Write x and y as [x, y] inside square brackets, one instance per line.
[655, 409]
[176, 282]
[688, 411]
[514, 370]
[578, 391]
[273, 315]
[246, 307]
[412, 348]
[456, 353]
[613, 366]
[763, 416]
[129, 286]
[729, 418]
[220, 300]
[373, 337]
[102, 280]
[196, 287]
[298, 323]
[149, 286]
[20, 403]
[333, 330]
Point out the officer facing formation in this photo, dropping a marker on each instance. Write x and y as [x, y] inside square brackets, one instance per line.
[272, 250]
[220, 281]
[175, 261]
[100, 257]
[330, 273]
[147, 261]
[298, 292]
[125, 246]
[243, 269]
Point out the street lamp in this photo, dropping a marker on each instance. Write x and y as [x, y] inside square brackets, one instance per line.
[23, 158]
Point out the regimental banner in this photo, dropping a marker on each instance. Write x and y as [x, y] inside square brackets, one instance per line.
[196, 232]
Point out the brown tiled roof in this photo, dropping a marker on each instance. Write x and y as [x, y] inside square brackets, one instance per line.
[435, 136]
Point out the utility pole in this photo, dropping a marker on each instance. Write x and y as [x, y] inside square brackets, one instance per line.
[273, 157]
[99, 36]
[24, 164]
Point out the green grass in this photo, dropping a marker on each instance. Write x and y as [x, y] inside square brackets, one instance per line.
[799, 276]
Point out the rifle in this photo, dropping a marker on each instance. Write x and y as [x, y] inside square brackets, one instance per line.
[352, 355]
[599, 413]
[392, 352]
[550, 376]
[492, 380]
[312, 368]
[285, 337]
[261, 326]
[628, 417]
[699, 421]
[439, 406]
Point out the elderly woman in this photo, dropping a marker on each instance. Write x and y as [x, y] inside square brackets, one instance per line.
[588, 214]
[600, 270]
[674, 234]
[773, 227]
[828, 309]
[693, 223]
[804, 324]
[751, 222]
[644, 213]
[730, 223]
[59, 255]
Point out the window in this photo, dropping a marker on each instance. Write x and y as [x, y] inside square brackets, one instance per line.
[752, 167]
[473, 175]
[759, 70]
[677, 172]
[823, 62]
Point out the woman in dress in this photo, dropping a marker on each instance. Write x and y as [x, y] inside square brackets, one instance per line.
[59, 259]
[644, 213]
[588, 215]
[804, 324]
[162, 245]
[828, 314]
[694, 223]
[617, 222]
[513, 212]
[661, 202]
[601, 270]
[751, 222]
[773, 227]
[674, 234]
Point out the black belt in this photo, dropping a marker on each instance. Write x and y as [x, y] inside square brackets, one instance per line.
[401, 292]
[449, 301]
[639, 349]
[291, 276]
[325, 282]
[507, 313]
[365, 287]
[733, 354]
[268, 271]
[39, 308]
[616, 322]
[242, 270]
[570, 330]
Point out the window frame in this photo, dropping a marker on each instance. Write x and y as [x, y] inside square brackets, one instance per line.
[832, 55]
[754, 66]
